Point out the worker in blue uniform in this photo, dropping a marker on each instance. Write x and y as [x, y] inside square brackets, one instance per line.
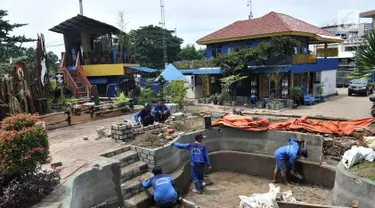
[288, 153]
[144, 116]
[160, 112]
[199, 157]
[165, 195]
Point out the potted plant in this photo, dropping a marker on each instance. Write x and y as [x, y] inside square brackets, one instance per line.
[214, 99]
[295, 93]
[320, 92]
[220, 99]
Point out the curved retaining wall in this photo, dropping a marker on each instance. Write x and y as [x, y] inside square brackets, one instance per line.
[256, 165]
[265, 143]
[349, 187]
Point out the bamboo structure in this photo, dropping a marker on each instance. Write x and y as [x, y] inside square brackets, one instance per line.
[26, 90]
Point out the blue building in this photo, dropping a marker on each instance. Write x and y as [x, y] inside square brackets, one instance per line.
[304, 69]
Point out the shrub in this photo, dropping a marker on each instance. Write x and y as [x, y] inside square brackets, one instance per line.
[23, 145]
[147, 96]
[121, 101]
[16, 123]
[177, 90]
[26, 191]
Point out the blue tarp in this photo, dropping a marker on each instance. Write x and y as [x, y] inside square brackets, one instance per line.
[142, 69]
[171, 73]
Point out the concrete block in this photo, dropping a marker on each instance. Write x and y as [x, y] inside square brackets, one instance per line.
[150, 157]
[116, 136]
[123, 137]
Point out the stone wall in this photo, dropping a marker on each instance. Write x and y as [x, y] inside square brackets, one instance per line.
[128, 131]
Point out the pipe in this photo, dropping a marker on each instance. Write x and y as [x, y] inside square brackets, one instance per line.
[80, 7]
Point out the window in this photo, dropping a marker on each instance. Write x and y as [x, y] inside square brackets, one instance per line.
[216, 52]
[317, 77]
[350, 48]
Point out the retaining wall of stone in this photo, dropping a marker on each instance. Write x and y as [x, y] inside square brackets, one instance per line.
[349, 187]
[128, 131]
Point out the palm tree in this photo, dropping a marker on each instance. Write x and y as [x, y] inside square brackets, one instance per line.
[365, 57]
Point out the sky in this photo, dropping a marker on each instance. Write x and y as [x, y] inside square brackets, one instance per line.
[192, 19]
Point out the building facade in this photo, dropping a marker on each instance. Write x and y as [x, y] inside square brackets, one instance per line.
[303, 69]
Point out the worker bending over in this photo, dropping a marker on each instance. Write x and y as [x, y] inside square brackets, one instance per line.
[288, 153]
[144, 116]
[161, 112]
[165, 195]
[199, 157]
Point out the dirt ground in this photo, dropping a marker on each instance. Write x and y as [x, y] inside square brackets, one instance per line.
[228, 186]
[365, 169]
[150, 140]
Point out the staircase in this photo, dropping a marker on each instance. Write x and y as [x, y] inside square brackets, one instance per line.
[82, 90]
[75, 78]
[134, 195]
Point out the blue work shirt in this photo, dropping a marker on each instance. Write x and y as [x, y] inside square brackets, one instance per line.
[288, 152]
[156, 108]
[141, 114]
[163, 186]
[198, 152]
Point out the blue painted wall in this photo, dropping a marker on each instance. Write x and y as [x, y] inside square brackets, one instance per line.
[246, 44]
[321, 65]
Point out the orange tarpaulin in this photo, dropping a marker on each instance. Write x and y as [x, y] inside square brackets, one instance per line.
[328, 127]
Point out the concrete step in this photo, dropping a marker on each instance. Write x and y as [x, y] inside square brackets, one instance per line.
[133, 170]
[126, 158]
[133, 186]
[140, 200]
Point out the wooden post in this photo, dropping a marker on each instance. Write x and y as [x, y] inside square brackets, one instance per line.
[325, 49]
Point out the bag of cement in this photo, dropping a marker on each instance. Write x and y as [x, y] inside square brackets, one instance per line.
[367, 153]
[287, 196]
[370, 141]
[267, 200]
[351, 157]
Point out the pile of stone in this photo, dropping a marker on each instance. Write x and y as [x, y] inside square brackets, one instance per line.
[128, 131]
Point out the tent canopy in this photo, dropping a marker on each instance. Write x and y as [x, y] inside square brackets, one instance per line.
[171, 73]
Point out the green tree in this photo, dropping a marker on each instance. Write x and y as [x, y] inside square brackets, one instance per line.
[10, 46]
[147, 46]
[52, 61]
[237, 62]
[189, 53]
[365, 58]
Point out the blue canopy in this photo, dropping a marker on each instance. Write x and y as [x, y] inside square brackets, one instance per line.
[171, 73]
[143, 69]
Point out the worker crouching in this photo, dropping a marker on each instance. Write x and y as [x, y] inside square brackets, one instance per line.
[288, 153]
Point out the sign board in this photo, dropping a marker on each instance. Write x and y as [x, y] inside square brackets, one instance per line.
[59, 79]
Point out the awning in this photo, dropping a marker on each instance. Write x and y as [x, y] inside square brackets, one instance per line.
[270, 70]
[98, 80]
[142, 69]
[201, 71]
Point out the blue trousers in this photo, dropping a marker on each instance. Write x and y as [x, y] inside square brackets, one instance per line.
[197, 173]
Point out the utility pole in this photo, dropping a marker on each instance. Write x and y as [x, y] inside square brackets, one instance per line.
[250, 5]
[162, 23]
[80, 7]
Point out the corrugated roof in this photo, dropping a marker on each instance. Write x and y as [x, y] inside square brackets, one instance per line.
[270, 23]
[201, 71]
[143, 69]
[83, 23]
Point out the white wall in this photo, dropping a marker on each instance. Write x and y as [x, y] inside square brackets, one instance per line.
[190, 92]
[328, 79]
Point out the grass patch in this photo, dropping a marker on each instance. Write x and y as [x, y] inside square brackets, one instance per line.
[365, 169]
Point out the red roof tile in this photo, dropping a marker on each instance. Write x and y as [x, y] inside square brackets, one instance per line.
[268, 24]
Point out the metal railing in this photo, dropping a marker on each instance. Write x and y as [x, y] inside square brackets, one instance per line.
[69, 81]
[82, 76]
